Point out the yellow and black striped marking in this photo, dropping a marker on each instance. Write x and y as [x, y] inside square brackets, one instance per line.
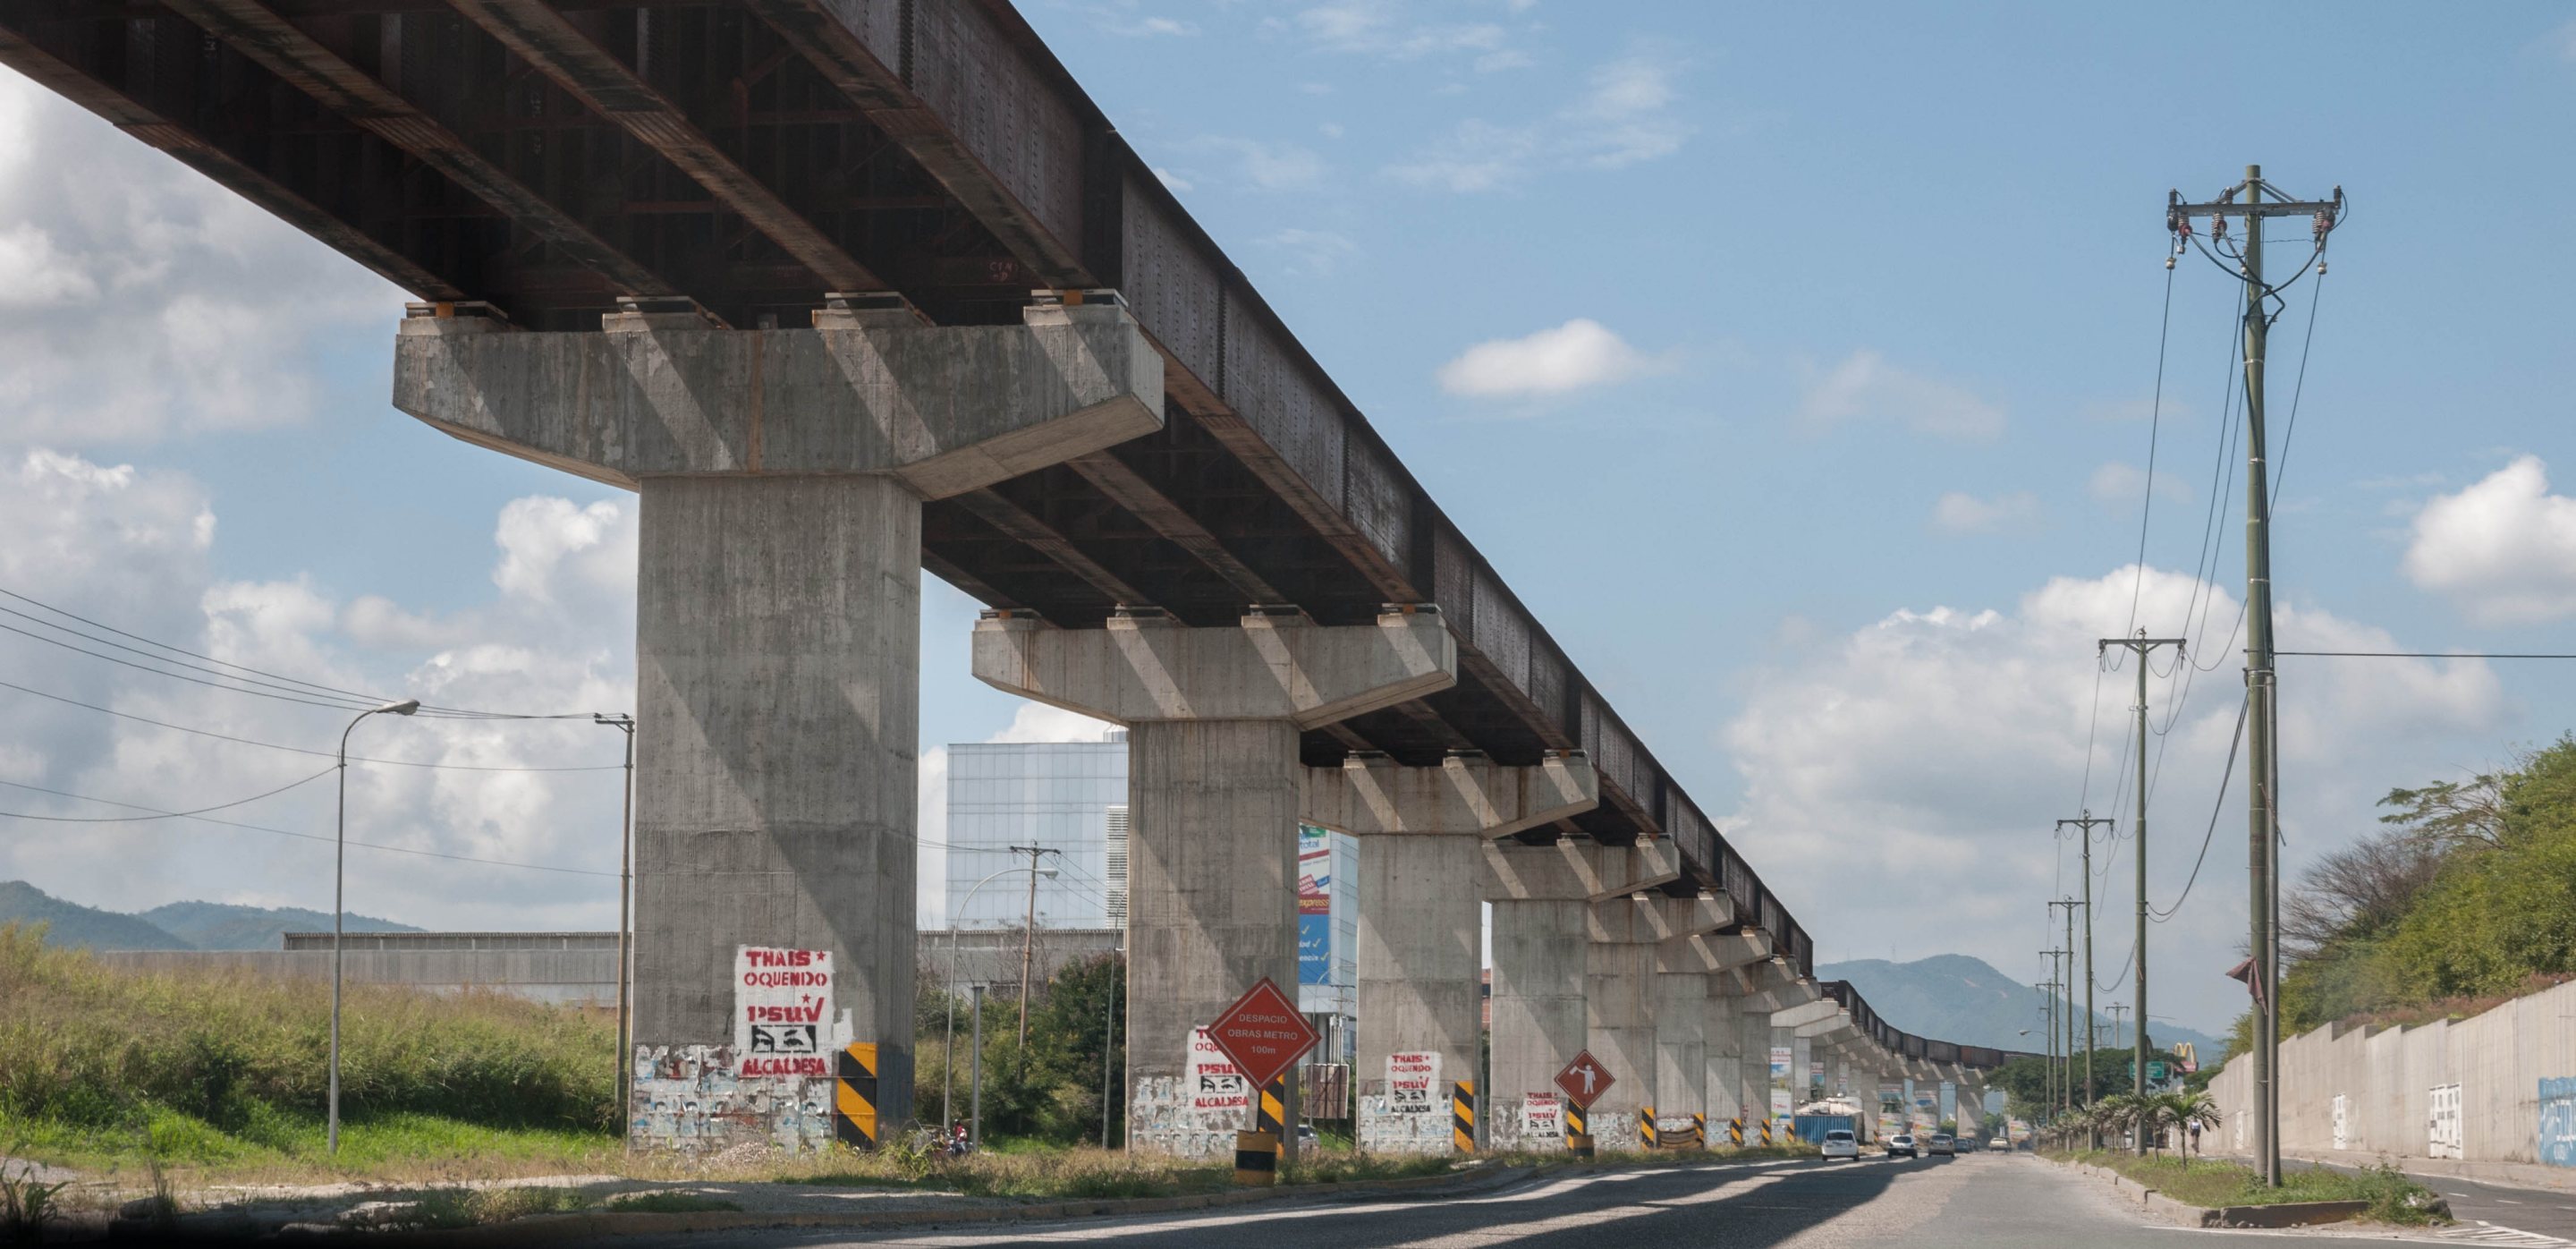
[1273, 1116]
[1735, 1130]
[1578, 1131]
[1699, 1131]
[1766, 1131]
[1256, 1158]
[1462, 1116]
[1646, 1137]
[854, 1096]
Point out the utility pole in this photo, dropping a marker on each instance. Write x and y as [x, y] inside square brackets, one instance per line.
[2055, 982]
[2070, 905]
[625, 919]
[2118, 1009]
[2263, 815]
[1029, 944]
[2142, 646]
[2084, 828]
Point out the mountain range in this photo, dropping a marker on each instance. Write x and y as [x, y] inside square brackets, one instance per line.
[1953, 997]
[176, 926]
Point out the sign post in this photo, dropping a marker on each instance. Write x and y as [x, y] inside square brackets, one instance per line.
[1265, 1035]
[1583, 1081]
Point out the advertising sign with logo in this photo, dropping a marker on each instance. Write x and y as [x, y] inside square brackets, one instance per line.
[1781, 1056]
[1779, 1103]
[1411, 1079]
[1215, 1082]
[1314, 905]
[782, 1011]
[1543, 1115]
[1815, 1073]
[2557, 1121]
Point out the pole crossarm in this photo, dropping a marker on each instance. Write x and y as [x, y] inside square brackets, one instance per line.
[2142, 646]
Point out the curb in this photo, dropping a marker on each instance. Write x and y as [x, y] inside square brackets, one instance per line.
[2181, 1214]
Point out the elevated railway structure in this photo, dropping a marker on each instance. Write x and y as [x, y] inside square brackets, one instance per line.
[849, 289]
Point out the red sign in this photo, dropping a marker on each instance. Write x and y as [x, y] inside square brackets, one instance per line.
[1585, 1079]
[1263, 1033]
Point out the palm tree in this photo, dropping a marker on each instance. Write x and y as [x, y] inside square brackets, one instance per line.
[2178, 1111]
[2120, 1112]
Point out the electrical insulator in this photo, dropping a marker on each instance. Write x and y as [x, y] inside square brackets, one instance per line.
[2168, 262]
[2321, 268]
[2218, 226]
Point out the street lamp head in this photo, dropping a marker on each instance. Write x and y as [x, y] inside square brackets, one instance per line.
[403, 708]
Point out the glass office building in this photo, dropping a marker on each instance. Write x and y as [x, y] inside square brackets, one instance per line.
[1068, 797]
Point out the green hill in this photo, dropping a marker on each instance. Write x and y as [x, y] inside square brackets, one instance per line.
[71, 924]
[176, 926]
[225, 926]
[1952, 997]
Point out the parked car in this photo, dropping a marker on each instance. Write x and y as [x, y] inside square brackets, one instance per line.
[1840, 1143]
[1306, 1138]
[1944, 1145]
[1902, 1143]
[1998, 1145]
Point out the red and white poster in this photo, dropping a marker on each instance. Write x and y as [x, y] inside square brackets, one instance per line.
[1411, 1081]
[1215, 1082]
[1543, 1116]
[782, 1011]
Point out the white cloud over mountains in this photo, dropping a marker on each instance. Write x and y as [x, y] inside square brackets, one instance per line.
[133, 550]
[1921, 762]
[2503, 549]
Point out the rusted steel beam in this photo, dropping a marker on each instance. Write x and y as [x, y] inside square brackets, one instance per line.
[1017, 523]
[843, 57]
[547, 40]
[1127, 488]
[188, 149]
[266, 37]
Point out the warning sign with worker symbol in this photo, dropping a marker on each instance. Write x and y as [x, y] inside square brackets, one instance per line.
[1584, 1080]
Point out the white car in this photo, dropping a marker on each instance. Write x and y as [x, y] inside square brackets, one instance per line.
[1943, 1145]
[1998, 1145]
[1901, 1143]
[1840, 1143]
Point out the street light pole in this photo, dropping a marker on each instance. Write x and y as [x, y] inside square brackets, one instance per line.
[625, 918]
[948, 1051]
[340, 907]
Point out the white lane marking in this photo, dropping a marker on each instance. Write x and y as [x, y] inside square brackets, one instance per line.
[2490, 1234]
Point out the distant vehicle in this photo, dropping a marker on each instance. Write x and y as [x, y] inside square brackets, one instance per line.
[1998, 1146]
[1306, 1135]
[1901, 1143]
[1944, 1145]
[1840, 1143]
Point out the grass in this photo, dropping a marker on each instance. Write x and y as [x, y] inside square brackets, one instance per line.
[668, 1203]
[2393, 1197]
[102, 1068]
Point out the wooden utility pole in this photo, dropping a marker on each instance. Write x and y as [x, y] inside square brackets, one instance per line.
[2142, 646]
[2084, 827]
[2070, 904]
[2245, 201]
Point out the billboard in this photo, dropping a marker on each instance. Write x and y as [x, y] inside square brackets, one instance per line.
[1314, 905]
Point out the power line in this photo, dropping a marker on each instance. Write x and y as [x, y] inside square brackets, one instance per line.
[324, 754]
[283, 832]
[2427, 655]
[296, 689]
[155, 815]
[2220, 805]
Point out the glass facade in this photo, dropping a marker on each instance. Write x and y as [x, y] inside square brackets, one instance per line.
[1064, 796]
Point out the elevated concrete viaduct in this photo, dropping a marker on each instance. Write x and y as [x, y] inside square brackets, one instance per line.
[851, 289]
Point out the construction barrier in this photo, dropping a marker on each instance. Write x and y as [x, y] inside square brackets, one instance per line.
[1462, 1116]
[854, 1096]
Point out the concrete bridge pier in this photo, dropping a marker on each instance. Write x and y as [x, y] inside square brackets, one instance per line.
[1542, 898]
[1214, 792]
[1422, 835]
[1682, 964]
[781, 475]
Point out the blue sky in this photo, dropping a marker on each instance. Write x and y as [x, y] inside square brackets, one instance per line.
[1792, 363]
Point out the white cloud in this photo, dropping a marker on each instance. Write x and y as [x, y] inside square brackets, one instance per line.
[235, 303]
[2564, 40]
[1629, 113]
[1578, 354]
[2502, 549]
[1387, 29]
[1928, 755]
[1477, 156]
[1310, 253]
[1176, 182]
[1268, 166]
[1864, 386]
[1038, 722]
[1958, 512]
[134, 548]
[2117, 482]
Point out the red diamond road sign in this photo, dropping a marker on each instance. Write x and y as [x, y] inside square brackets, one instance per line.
[1262, 1032]
[1585, 1079]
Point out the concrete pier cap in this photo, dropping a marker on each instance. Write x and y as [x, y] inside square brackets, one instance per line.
[1422, 834]
[1215, 789]
[782, 474]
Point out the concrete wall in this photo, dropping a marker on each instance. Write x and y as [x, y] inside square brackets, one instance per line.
[571, 977]
[2387, 1077]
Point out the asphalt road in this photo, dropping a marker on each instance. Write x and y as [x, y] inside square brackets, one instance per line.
[2498, 1214]
[1986, 1201]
